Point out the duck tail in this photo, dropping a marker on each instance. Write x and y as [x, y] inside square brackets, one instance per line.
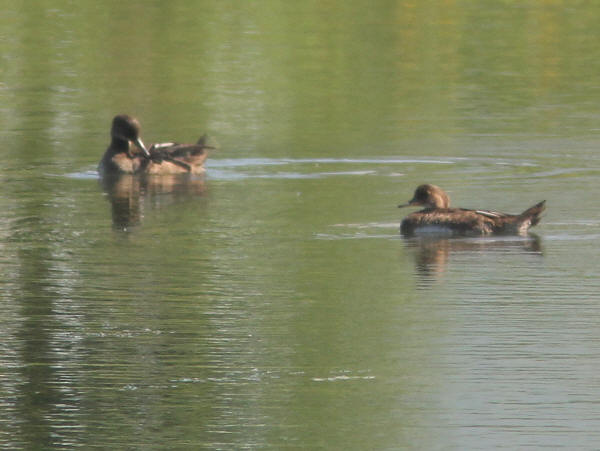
[207, 142]
[532, 214]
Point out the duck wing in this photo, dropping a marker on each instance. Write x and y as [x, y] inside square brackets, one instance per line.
[491, 214]
[181, 154]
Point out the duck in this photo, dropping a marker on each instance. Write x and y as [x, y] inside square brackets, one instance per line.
[438, 218]
[127, 153]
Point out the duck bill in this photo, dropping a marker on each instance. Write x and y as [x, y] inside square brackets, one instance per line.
[410, 203]
[138, 142]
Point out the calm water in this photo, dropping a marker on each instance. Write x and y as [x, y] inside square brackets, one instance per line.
[272, 303]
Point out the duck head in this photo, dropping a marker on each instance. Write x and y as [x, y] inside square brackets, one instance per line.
[127, 129]
[428, 196]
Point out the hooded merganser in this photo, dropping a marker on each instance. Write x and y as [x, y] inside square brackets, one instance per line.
[438, 217]
[128, 155]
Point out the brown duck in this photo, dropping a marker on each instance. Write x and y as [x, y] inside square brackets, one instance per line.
[437, 217]
[127, 154]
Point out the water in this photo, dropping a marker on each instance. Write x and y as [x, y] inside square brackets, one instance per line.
[272, 303]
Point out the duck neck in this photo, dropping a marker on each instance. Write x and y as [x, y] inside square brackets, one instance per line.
[118, 145]
[440, 200]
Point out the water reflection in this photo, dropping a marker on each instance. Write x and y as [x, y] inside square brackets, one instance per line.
[432, 254]
[39, 396]
[128, 194]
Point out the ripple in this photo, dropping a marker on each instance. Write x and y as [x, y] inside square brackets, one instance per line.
[569, 237]
[84, 175]
[248, 162]
[343, 377]
[371, 225]
[245, 168]
[356, 236]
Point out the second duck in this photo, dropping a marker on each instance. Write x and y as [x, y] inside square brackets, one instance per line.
[437, 217]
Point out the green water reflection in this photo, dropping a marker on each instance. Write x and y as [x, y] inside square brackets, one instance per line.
[272, 303]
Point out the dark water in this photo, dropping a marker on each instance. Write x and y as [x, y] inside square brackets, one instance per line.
[272, 303]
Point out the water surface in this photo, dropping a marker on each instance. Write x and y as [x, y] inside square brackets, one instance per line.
[272, 303]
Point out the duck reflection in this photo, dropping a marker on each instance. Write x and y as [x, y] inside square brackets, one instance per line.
[128, 194]
[432, 254]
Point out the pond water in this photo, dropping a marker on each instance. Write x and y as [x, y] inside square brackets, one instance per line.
[272, 303]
